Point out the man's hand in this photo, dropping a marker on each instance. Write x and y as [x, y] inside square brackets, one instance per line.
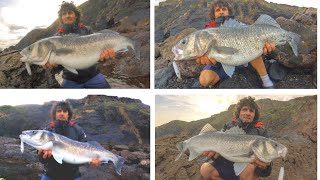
[211, 154]
[260, 164]
[49, 66]
[95, 162]
[268, 48]
[205, 60]
[46, 153]
[107, 54]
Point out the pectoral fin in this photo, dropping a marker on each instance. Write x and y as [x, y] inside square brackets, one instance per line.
[228, 69]
[57, 157]
[239, 167]
[193, 155]
[74, 71]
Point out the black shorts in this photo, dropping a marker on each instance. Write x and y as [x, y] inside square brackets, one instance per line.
[225, 169]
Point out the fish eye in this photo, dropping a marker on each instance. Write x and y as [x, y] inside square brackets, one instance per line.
[184, 41]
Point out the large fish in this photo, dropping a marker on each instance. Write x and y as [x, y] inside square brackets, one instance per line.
[68, 150]
[76, 52]
[233, 43]
[234, 145]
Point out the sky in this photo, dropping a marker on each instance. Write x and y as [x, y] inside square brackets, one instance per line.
[15, 97]
[18, 17]
[195, 107]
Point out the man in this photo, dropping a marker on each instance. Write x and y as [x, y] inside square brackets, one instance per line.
[246, 117]
[212, 73]
[70, 20]
[61, 114]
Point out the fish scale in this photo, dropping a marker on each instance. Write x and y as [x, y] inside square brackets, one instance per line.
[233, 43]
[68, 150]
[76, 52]
[234, 145]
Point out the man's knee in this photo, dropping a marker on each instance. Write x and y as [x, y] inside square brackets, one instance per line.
[248, 173]
[207, 171]
[207, 78]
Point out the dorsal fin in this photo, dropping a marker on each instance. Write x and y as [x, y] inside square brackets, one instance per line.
[235, 130]
[266, 19]
[232, 23]
[207, 128]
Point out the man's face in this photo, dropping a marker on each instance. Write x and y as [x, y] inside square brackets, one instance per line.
[62, 114]
[221, 11]
[247, 114]
[68, 17]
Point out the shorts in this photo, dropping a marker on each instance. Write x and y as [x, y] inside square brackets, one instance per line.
[225, 169]
[217, 68]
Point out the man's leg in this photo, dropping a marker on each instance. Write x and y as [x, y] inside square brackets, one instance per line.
[44, 177]
[99, 81]
[71, 84]
[248, 173]
[259, 66]
[207, 171]
[208, 77]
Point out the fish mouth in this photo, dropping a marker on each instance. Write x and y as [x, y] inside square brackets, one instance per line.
[283, 152]
[177, 53]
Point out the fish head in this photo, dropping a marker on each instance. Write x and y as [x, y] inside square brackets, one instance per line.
[194, 45]
[36, 137]
[37, 53]
[268, 150]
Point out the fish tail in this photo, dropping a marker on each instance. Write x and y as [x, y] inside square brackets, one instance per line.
[181, 148]
[28, 68]
[294, 41]
[118, 164]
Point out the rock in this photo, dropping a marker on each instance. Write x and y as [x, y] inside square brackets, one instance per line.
[307, 49]
[162, 76]
[156, 51]
[277, 71]
[189, 68]
[121, 147]
[3, 79]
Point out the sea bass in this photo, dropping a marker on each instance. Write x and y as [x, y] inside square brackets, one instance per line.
[234, 145]
[233, 43]
[68, 150]
[76, 52]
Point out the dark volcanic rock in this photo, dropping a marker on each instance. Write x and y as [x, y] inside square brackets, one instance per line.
[177, 18]
[118, 124]
[130, 18]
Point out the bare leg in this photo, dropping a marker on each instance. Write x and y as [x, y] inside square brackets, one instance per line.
[248, 173]
[259, 66]
[208, 77]
[207, 171]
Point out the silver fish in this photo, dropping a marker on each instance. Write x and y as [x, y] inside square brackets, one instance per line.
[234, 145]
[234, 44]
[76, 52]
[68, 150]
